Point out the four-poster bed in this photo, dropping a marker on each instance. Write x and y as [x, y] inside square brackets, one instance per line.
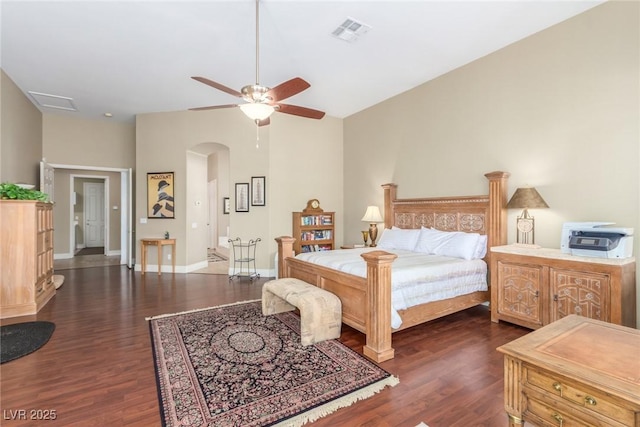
[366, 301]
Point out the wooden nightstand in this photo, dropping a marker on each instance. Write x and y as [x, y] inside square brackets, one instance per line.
[534, 287]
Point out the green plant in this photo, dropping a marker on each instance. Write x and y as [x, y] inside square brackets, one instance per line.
[16, 192]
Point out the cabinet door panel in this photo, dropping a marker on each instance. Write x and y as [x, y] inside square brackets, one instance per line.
[519, 291]
[585, 294]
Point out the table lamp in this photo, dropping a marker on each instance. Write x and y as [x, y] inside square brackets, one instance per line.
[372, 216]
[527, 198]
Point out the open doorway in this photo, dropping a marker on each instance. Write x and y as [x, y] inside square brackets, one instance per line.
[213, 178]
[111, 205]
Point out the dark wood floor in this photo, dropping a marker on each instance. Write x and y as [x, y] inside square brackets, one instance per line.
[97, 369]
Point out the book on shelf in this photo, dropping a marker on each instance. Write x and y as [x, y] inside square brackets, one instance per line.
[316, 235]
[316, 220]
[316, 248]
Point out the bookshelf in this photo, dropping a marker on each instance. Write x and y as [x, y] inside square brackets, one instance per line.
[313, 229]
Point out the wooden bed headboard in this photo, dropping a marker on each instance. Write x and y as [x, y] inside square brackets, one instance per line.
[485, 214]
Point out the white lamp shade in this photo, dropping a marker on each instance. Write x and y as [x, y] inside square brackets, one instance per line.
[372, 215]
[257, 111]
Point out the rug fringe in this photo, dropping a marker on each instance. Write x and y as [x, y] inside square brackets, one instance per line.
[195, 310]
[330, 407]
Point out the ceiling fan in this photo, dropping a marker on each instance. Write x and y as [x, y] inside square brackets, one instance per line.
[262, 101]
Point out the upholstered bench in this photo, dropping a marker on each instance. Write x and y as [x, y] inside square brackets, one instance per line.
[320, 310]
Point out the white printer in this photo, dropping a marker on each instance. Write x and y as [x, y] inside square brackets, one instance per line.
[596, 239]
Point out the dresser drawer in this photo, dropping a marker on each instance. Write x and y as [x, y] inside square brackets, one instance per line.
[44, 241]
[585, 399]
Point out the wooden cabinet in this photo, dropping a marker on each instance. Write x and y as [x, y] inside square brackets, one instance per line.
[574, 372]
[533, 287]
[26, 257]
[313, 231]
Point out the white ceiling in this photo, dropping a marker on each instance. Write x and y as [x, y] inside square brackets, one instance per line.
[131, 57]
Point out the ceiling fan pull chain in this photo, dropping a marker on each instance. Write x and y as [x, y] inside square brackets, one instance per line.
[257, 133]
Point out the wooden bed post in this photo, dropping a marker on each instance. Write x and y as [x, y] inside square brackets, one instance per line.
[378, 316]
[497, 232]
[285, 250]
[389, 197]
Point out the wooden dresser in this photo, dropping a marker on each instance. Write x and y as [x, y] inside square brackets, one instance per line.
[26, 257]
[573, 372]
[534, 287]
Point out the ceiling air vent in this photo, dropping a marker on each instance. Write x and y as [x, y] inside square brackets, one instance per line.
[53, 101]
[350, 30]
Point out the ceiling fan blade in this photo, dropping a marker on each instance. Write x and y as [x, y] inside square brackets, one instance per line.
[218, 86]
[300, 111]
[213, 107]
[288, 89]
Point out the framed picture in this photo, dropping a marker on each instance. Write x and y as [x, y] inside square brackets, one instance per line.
[242, 197]
[258, 191]
[225, 205]
[160, 193]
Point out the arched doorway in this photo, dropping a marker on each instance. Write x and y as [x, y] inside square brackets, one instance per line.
[218, 225]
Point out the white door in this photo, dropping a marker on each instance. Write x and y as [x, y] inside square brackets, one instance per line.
[93, 214]
[127, 192]
[46, 178]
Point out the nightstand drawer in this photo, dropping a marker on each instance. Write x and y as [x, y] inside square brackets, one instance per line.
[583, 399]
[544, 415]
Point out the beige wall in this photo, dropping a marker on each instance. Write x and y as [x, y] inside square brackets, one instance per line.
[301, 159]
[559, 111]
[98, 143]
[20, 135]
[307, 163]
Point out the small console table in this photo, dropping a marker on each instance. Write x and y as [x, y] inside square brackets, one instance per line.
[244, 258]
[159, 243]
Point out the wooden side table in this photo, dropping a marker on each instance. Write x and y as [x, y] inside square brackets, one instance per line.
[574, 371]
[159, 243]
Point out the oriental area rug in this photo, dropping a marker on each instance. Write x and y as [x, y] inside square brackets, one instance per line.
[232, 366]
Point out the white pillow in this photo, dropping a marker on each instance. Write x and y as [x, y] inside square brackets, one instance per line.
[385, 239]
[481, 247]
[456, 244]
[459, 245]
[427, 240]
[398, 238]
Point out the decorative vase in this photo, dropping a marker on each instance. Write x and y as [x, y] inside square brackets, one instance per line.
[373, 234]
[365, 237]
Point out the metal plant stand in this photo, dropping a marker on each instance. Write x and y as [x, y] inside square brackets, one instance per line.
[244, 259]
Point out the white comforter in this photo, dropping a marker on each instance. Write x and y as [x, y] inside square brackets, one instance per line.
[416, 278]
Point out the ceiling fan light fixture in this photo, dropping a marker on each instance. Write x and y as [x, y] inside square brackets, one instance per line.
[257, 111]
[262, 101]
